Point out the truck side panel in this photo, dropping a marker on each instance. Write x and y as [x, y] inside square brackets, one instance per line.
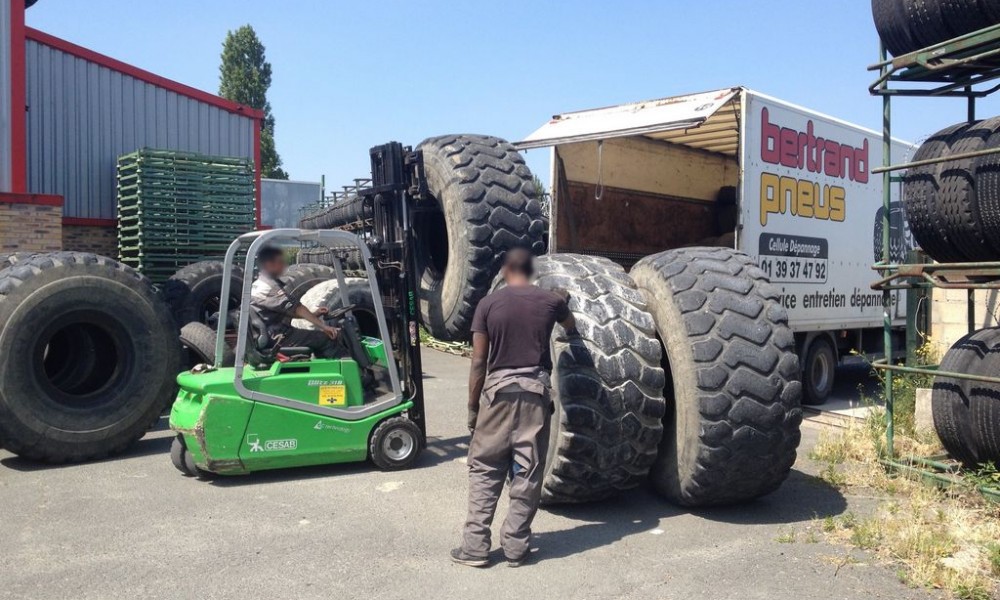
[812, 214]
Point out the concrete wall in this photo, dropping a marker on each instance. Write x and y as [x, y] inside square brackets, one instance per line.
[948, 315]
[98, 239]
[30, 223]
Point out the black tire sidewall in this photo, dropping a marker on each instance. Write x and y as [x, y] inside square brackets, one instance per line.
[818, 348]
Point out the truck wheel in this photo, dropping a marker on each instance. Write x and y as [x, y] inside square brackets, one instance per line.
[818, 371]
[194, 291]
[920, 195]
[486, 204]
[66, 307]
[957, 200]
[327, 294]
[732, 421]
[198, 341]
[607, 389]
[301, 278]
[395, 444]
[967, 413]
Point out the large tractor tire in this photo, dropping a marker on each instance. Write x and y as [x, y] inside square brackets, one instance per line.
[967, 413]
[194, 292]
[486, 204]
[90, 359]
[921, 188]
[351, 260]
[327, 295]
[198, 341]
[732, 421]
[301, 278]
[957, 201]
[607, 386]
[11, 259]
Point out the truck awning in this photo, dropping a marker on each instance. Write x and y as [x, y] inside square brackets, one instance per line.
[648, 118]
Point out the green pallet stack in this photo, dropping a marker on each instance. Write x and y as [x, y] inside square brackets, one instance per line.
[177, 208]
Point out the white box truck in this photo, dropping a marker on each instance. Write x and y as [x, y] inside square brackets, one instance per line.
[791, 187]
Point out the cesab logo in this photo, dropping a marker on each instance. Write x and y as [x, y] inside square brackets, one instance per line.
[802, 150]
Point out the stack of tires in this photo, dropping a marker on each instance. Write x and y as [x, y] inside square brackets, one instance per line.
[953, 207]
[90, 356]
[909, 25]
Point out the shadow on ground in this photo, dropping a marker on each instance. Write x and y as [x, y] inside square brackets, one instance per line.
[801, 498]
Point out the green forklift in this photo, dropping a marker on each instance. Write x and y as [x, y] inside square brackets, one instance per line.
[279, 407]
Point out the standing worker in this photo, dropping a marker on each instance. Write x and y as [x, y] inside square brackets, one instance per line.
[277, 309]
[509, 408]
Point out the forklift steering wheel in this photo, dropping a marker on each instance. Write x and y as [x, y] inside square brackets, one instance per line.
[339, 313]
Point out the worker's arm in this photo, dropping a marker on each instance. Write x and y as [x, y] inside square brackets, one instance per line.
[477, 374]
[569, 324]
[302, 312]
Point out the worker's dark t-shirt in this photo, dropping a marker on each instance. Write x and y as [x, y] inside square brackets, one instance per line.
[519, 322]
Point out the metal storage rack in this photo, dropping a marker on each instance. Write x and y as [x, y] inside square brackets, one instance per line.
[963, 67]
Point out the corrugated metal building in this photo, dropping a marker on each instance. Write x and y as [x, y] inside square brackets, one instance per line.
[80, 110]
[6, 60]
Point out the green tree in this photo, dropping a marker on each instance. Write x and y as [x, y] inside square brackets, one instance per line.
[244, 77]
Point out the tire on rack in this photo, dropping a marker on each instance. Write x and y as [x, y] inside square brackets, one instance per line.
[892, 27]
[66, 308]
[486, 203]
[733, 414]
[327, 294]
[819, 366]
[987, 181]
[194, 291]
[198, 341]
[607, 389]
[301, 278]
[921, 186]
[957, 203]
[925, 22]
[967, 413]
[325, 256]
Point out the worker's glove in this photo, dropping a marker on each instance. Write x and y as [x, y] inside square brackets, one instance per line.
[472, 418]
[569, 337]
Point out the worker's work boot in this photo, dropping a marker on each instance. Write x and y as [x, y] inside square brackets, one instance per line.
[461, 557]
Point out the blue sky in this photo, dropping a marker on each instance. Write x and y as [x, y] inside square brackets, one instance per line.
[349, 75]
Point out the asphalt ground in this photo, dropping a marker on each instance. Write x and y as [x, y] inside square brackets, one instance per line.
[133, 527]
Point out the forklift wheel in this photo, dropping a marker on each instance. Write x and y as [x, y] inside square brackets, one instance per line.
[177, 453]
[395, 444]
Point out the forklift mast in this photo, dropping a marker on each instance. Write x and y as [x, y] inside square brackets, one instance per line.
[397, 191]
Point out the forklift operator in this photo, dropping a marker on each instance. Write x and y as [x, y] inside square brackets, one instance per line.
[277, 309]
[509, 408]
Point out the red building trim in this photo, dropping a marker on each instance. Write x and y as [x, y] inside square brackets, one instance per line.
[18, 101]
[257, 169]
[81, 222]
[116, 65]
[38, 199]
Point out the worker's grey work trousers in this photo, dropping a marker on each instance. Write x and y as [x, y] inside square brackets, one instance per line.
[511, 439]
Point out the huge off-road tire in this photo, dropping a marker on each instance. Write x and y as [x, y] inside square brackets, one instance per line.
[198, 341]
[921, 187]
[486, 204]
[607, 385]
[90, 356]
[967, 413]
[732, 421]
[194, 292]
[11, 259]
[301, 278]
[327, 295]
